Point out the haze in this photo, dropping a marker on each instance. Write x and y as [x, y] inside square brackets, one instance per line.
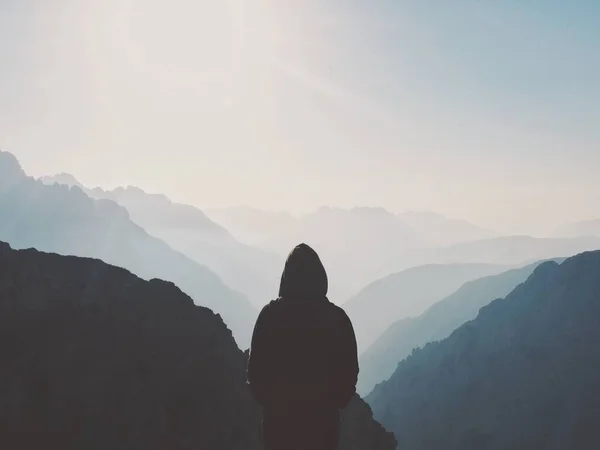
[484, 111]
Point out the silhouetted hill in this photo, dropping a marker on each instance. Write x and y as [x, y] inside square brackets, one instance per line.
[406, 294]
[380, 360]
[189, 230]
[525, 374]
[93, 357]
[65, 220]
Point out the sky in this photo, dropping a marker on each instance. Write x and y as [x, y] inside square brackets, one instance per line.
[481, 110]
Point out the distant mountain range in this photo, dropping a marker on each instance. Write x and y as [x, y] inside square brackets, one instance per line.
[406, 294]
[443, 231]
[579, 229]
[257, 227]
[95, 358]
[357, 245]
[354, 245]
[506, 250]
[525, 374]
[380, 360]
[253, 226]
[65, 220]
[187, 229]
[361, 245]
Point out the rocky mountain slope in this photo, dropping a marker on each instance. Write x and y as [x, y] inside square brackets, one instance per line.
[65, 220]
[187, 229]
[380, 360]
[407, 293]
[93, 357]
[525, 374]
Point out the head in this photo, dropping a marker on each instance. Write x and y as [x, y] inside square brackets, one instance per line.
[304, 275]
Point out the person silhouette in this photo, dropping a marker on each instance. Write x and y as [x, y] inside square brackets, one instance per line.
[303, 364]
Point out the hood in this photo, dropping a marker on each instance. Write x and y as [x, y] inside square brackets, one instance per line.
[303, 275]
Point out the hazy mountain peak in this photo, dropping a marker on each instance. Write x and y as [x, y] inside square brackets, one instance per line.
[62, 178]
[253, 226]
[190, 231]
[372, 210]
[10, 170]
[442, 230]
[8, 159]
[135, 193]
[67, 220]
[157, 211]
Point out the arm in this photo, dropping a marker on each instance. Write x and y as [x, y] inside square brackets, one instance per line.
[258, 372]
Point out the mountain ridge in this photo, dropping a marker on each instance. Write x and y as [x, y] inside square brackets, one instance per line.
[190, 231]
[523, 374]
[95, 357]
[65, 220]
[437, 322]
[405, 294]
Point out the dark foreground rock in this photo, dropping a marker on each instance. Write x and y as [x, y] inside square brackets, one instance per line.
[93, 357]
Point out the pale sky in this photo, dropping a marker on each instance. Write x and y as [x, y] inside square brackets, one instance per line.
[478, 109]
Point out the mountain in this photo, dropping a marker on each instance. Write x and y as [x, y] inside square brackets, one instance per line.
[93, 357]
[405, 294]
[380, 360]
[62, 178]
[505, 250]
[356, 245]
[253, 226]
[360, 245]
[581, 229]
[443, 231]
[525, 374]
[515, 249]
[65, 220]
[189, 230]
[257, 227]
[158, 212]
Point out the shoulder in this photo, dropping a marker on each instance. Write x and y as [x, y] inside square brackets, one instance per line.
[337, 309]
[340, 313]
[270, 308]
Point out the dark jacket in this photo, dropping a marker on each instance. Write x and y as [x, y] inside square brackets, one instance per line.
[303, 355]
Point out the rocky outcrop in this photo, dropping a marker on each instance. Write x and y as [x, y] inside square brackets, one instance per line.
[93, 357]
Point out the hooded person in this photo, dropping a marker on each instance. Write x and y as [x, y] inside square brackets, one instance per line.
[303, 364]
